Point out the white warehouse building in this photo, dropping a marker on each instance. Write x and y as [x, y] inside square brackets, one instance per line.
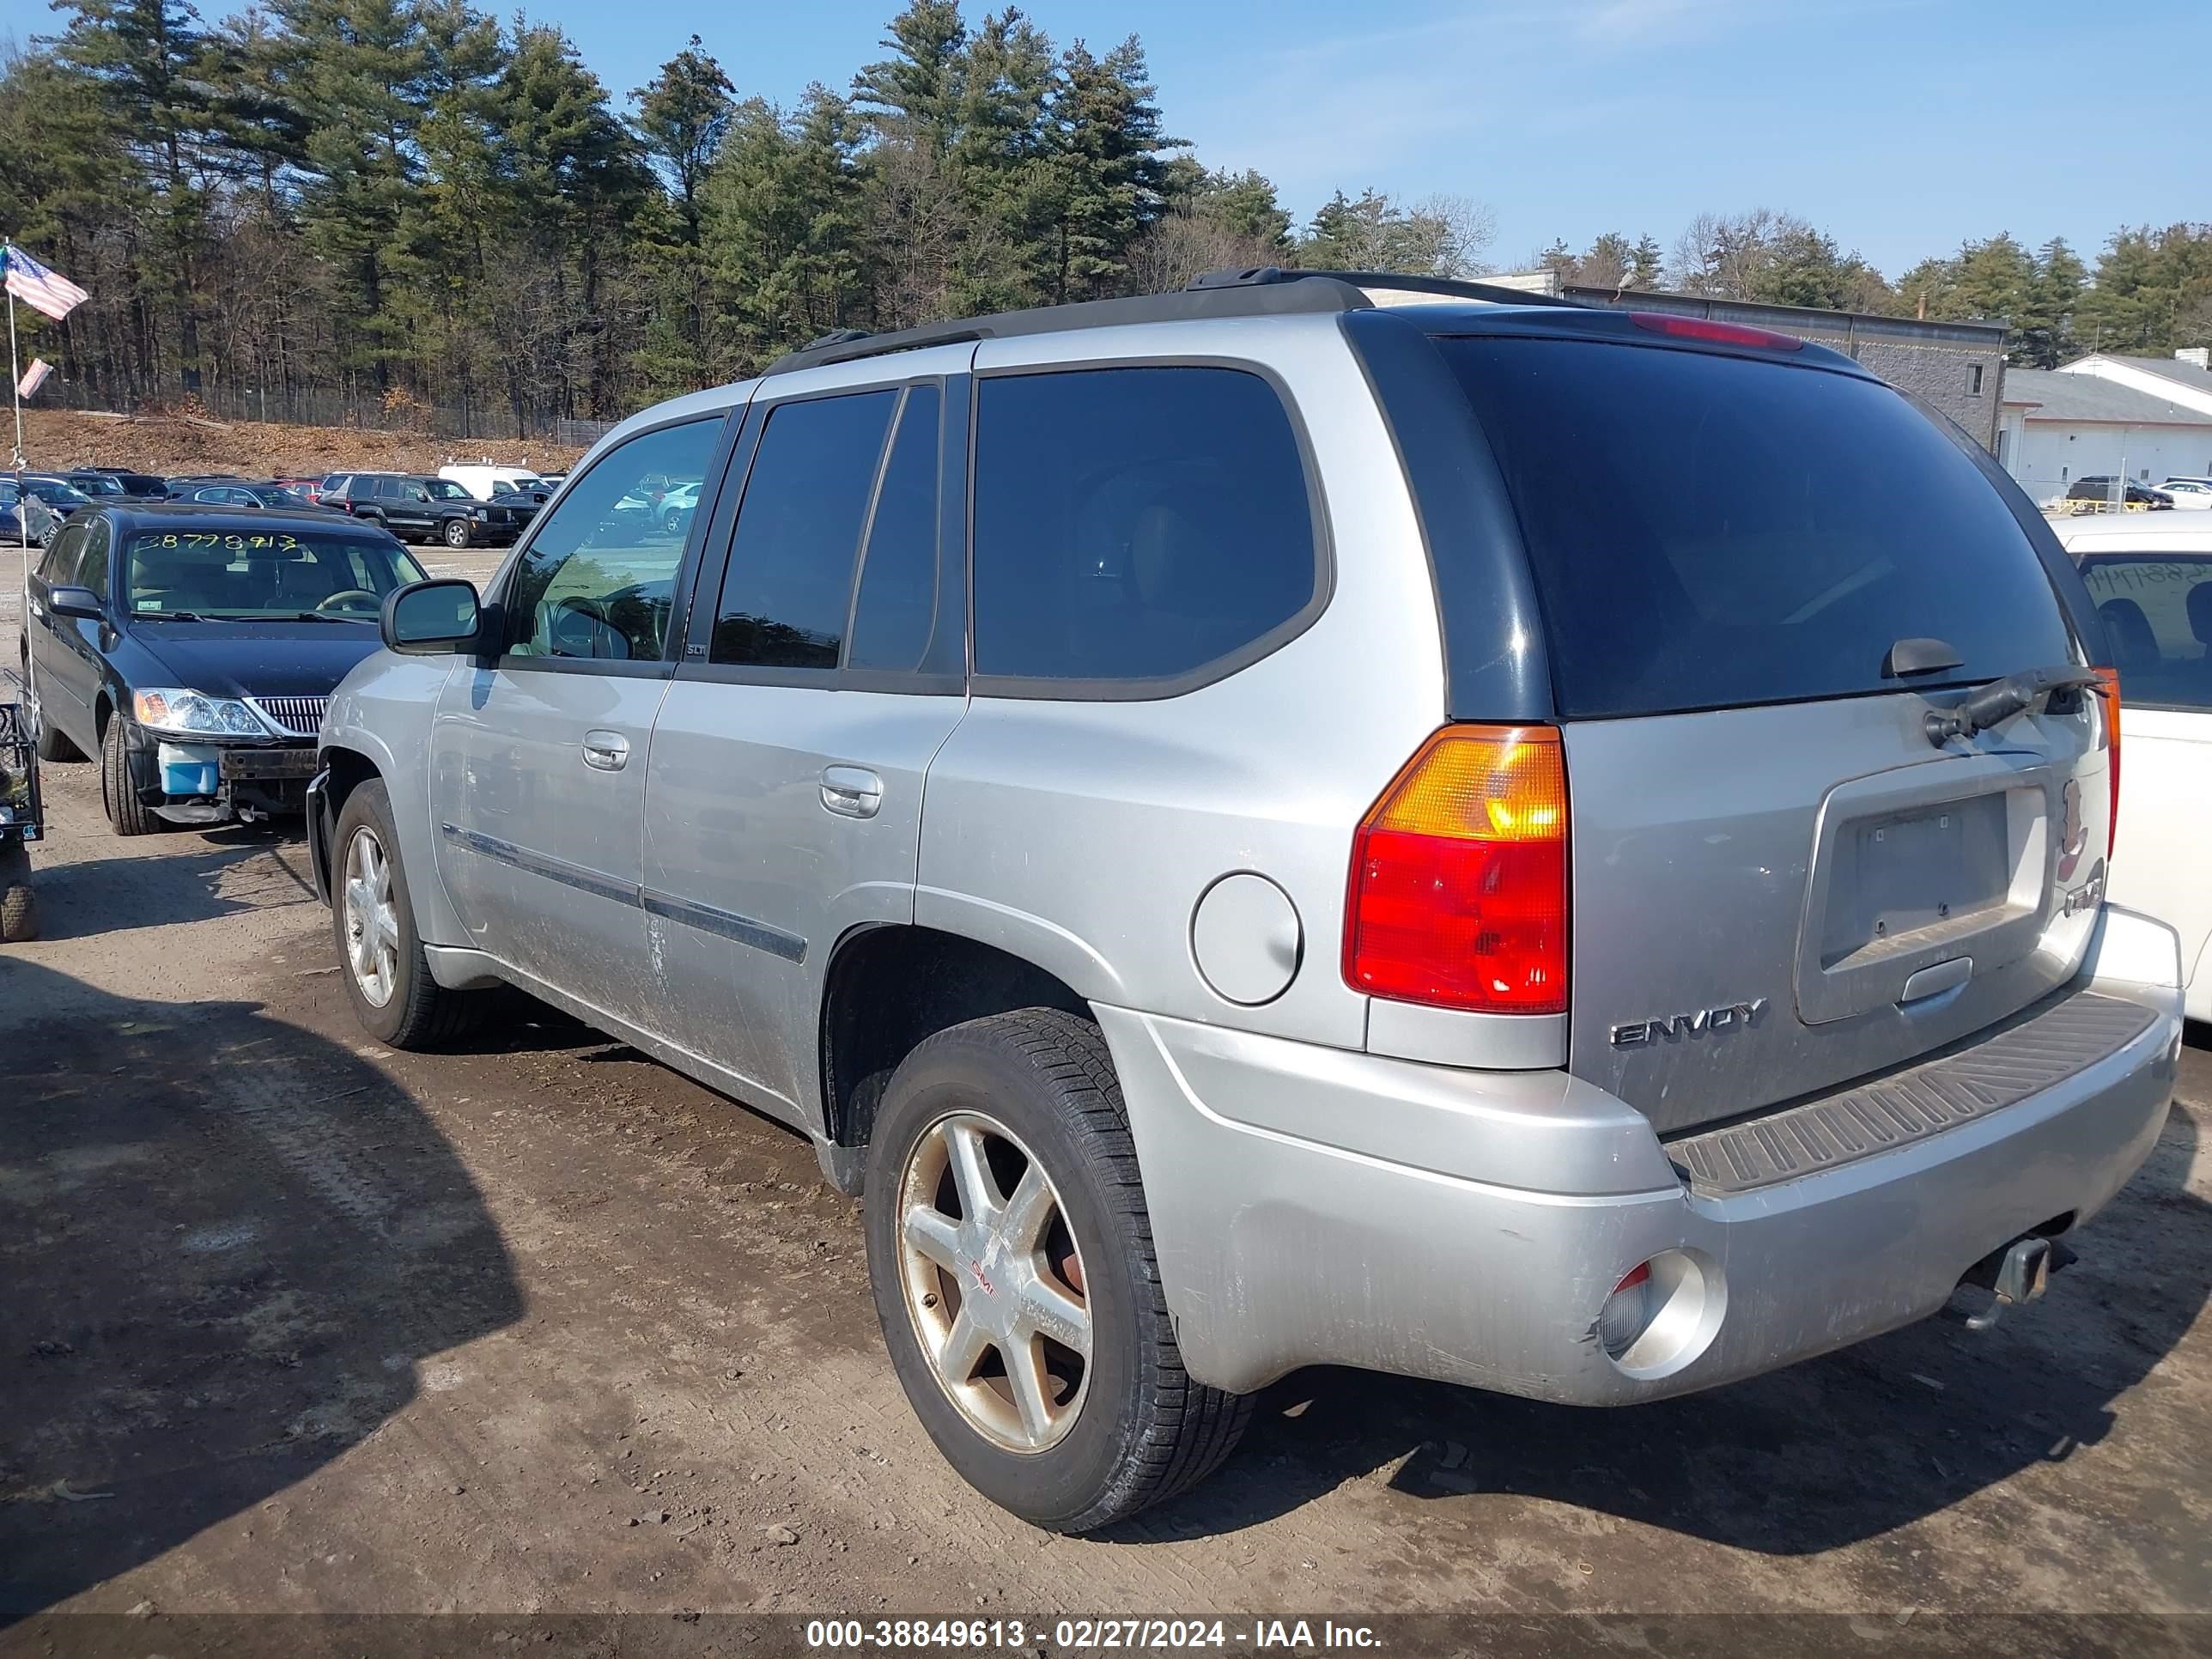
[2145, 418]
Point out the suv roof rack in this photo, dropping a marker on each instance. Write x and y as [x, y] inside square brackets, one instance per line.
[1255, 291]
[1285, 300]
[1494, 294]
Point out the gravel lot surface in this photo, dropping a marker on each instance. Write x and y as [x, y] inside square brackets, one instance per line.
[540, 1327]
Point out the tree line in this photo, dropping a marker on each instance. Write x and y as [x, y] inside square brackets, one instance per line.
[2150, 291]
[398, 207]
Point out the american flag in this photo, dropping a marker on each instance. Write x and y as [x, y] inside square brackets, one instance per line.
[41, 290]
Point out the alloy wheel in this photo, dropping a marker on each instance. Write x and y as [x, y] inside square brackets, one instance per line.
[995, 1283]
[372, 920]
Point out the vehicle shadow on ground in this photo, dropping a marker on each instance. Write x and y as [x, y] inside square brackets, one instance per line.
[1826, 1454]
[198, 874]
[228, 1247]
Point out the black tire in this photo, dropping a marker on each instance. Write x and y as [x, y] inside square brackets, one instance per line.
[455, 533]
[1145, 1430]
[126, 814]
[50, 744]
[19, 902]
[418, 1012]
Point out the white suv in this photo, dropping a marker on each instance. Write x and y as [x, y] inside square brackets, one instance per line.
[2152, 580]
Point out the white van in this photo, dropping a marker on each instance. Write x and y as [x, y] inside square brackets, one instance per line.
[479, 481]
[2151, 576]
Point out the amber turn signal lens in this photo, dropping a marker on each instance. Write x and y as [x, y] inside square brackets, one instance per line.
[1458, 890]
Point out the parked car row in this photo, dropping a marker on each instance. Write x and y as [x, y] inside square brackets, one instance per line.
[2097, 491]
[1252, 830]
[414, 506]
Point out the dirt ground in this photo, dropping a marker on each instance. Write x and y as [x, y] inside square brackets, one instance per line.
[56, 439]
[293, 1322]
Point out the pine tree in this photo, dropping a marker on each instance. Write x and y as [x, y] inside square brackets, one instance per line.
[147, 55]
[915, 94]
[1106, 167]
[1645, 262]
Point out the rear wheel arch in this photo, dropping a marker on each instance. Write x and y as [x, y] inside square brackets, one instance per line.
[889, 987]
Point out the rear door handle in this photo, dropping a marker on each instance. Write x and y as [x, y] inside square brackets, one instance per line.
[607, 752]
[852, 792]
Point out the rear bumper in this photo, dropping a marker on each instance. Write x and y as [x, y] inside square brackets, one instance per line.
[1313, 1206]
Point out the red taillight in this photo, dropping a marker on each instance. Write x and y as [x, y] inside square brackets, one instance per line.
[2108, 692]
[1704, 328]
[1458, 892]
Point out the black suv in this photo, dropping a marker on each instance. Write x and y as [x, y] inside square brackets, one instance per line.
[2098, 487]
[115, 483]
[413, 507]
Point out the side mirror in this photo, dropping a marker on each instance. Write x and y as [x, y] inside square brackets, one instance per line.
[79, 602]
[429, 619]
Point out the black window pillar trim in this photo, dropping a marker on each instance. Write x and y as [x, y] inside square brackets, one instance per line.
[937, 678]
[1496, 665]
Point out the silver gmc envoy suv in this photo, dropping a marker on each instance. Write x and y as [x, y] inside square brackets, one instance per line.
[1555, 849]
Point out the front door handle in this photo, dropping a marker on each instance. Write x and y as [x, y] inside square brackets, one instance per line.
[852, 792]
[607, 752]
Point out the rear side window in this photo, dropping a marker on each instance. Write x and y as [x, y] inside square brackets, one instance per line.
[1709, 532]
[2157, 612]
[1136, 524]
[790, 576]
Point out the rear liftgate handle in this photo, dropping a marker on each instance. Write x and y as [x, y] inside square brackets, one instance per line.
[852, 792]
[606, 752]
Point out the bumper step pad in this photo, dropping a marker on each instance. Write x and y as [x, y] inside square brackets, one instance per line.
[1987, 1075]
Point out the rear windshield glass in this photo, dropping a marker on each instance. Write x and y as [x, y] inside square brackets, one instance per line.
[1707, 531]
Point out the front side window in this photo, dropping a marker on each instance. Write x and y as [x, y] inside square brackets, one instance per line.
[790, 577]
[1135, 524]
[2157, 612]
[92, 563]
[58, 567]
[599, 581]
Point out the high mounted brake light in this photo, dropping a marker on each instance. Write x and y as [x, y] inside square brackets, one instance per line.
[1704, 328]
[1458, 891]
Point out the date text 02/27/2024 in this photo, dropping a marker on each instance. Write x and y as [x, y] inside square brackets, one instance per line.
[1082, 1635]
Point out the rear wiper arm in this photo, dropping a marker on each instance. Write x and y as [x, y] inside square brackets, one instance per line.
[2000, 700]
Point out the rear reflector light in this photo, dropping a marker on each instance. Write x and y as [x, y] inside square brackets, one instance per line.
[2108, 691]
[1627, 1312]
[1702, 328]
[1458, 892]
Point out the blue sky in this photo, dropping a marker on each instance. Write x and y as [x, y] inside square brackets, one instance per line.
[1898, 125]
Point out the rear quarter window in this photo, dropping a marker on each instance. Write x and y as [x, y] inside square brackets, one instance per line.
[1709, 531]
[1136, 527]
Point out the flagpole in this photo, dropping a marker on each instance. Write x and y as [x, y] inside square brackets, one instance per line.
[22, 501]
[14, 365]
